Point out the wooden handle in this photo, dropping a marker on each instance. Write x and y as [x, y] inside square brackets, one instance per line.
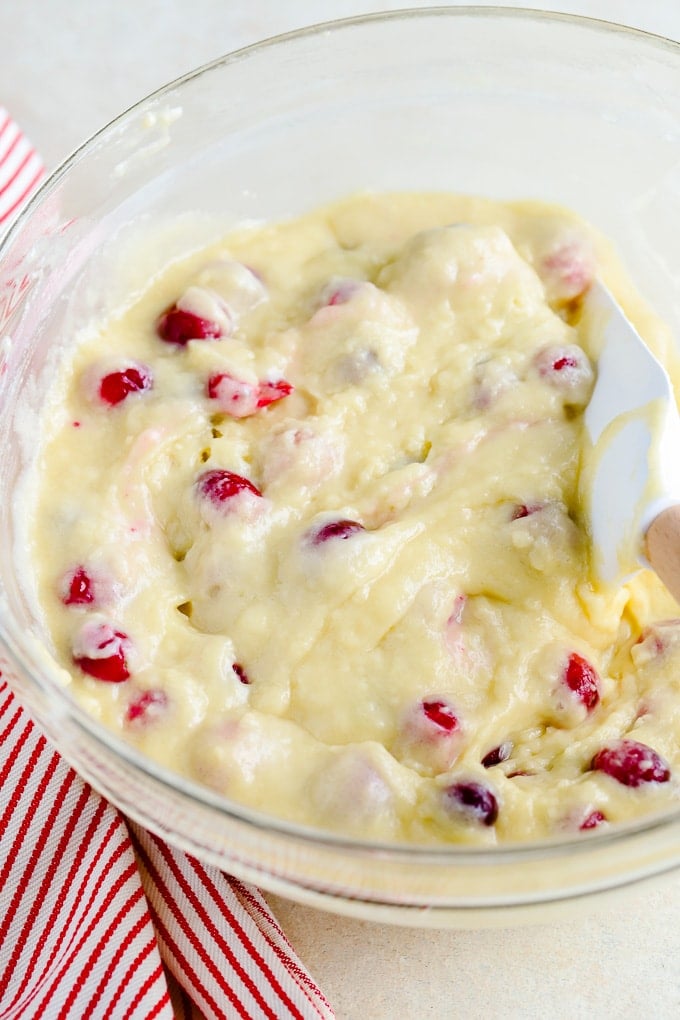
[662, 546]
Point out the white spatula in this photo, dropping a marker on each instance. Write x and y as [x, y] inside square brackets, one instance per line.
[631, 477]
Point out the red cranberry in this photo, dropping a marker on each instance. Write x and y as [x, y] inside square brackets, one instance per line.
[147, 707]
[566, 361]
[655, 640]
[177, 326]
[474, 801]
[343, 529]
[339, 292]
[241, 673]
[270, 392]
[219, 485]
[430, 736]
[569, 267]
[558, 363]
[77, 588]
[565, 367]
[631, 763]
[497, 754]
[101, 653]
[236, 397]
[241, 399]
[581, 678]
[338, 297]
[592, 821]
[116, 386]
[441, 714]
[525, 510]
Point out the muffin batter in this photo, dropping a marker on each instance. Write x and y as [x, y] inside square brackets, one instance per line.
[308, 531]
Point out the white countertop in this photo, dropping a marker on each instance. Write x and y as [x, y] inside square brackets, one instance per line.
[69, 66]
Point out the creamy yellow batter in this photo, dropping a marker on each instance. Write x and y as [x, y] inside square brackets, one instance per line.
[308, 531]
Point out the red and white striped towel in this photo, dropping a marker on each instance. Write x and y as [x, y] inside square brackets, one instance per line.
[20, 167]
[99, 918]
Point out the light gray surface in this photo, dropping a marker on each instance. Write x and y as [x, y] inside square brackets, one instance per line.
[618, 964]
[69, 66]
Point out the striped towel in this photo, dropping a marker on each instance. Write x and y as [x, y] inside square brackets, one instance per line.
[99, 918]
[20, 167]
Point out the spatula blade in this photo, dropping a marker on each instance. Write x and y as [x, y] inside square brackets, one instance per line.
[632, 467]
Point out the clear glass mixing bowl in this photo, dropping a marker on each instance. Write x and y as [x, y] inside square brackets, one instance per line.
[497, 102]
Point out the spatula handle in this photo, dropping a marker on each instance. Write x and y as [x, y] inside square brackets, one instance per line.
[662, 546]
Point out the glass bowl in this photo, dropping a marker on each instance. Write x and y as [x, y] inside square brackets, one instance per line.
[497, 102]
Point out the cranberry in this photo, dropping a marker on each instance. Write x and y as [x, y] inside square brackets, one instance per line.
[565, 367]
[234, 396]
[655, 640]
[177, 326]
[556, 360]
[339, 291]
[474, 801]
[581, 678]
[441, 714]
[240, 399]
[651, 637]
[569, 268]
[100, 652]
[77, 588]
[497, 754]
[220, 485]
[430, 736]
[592, 821]
[336, 529]
[270, 392]
[116, 386]
[240, 673]
[565, 361]
[147, 707]
[631, 763]
[525, 510]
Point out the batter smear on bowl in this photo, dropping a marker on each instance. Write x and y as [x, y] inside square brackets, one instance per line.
[316, 541]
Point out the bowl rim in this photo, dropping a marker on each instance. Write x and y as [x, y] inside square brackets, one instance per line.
[20, 649]
[477, 12]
